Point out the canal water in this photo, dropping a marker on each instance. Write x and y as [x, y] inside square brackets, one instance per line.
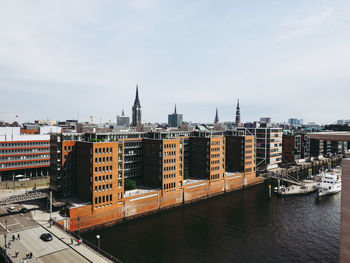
[242, 226]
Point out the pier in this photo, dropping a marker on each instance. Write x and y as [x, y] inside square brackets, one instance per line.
[295, 173]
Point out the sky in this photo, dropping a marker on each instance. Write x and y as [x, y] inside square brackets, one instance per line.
[63, 59]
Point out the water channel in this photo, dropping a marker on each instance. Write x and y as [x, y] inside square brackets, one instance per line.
[242, 226]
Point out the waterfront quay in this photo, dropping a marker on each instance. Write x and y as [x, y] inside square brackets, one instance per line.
[304, 169]
[23, 231]
[239, 226]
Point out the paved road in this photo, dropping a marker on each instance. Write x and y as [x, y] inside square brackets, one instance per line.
[16, 221]
[30, 226]
[51, 251]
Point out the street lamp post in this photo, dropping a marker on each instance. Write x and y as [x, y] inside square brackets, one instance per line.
[98, 242]
[78, 225]
[5, 240]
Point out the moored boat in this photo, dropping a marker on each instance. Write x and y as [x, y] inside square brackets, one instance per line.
[330, 184]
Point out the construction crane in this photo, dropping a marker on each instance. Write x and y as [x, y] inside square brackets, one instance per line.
[9, 115]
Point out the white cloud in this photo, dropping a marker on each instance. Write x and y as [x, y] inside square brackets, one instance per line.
[97, 51]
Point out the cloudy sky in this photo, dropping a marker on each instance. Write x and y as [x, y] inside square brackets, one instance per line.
[281, 58]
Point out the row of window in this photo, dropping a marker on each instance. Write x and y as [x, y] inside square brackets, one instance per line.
[213, 156]
[15, 158]
[19, 164]
[215, 149]
[132, 144]
[103, 150]
[170, 185]
[169, 176]
[19, 151]
[169, 168]
[131, 173]
[170, 146]
[103, 160]
[215, 143]
[215, 168]
[103, 199]
[132, 166]
[170, 153]
[103, 178]
[169, 161]
[215, 162]
[104, 187]
[20, 144]
[69, 148]
[103, 169]
[214, 176]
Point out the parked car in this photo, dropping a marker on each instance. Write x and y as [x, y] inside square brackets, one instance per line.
[23, 210]
[46, 237]
[11, 210]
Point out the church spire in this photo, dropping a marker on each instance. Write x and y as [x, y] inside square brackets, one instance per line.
[137, 101]
[175, 109]
[136, 109]
[216, 121]
[238, 114]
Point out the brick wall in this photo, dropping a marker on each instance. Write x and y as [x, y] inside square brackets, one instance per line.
[153, 201]
[140, 204]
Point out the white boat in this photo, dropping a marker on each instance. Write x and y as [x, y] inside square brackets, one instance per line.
[330, 184]
[303, 189]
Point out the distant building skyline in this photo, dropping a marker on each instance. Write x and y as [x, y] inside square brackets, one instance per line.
[175, 119]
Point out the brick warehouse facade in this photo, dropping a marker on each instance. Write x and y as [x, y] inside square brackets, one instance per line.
[101, 166]
[100, 177]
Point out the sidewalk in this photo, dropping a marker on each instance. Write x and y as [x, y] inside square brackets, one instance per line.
[91, 255]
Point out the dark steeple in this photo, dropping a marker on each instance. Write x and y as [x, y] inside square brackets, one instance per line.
[238, 114]
[216, 121]
[137, 101]
[175, 109]
[136, 110]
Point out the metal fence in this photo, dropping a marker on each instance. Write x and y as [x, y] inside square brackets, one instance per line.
[92, 246]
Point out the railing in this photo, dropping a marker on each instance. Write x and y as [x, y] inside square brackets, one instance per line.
[5, 166]
[92, 246]
[25, 152]
[24, 197]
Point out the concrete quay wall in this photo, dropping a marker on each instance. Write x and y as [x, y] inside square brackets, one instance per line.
[155, 201]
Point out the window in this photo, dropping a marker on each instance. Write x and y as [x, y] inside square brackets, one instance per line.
[110, 197]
